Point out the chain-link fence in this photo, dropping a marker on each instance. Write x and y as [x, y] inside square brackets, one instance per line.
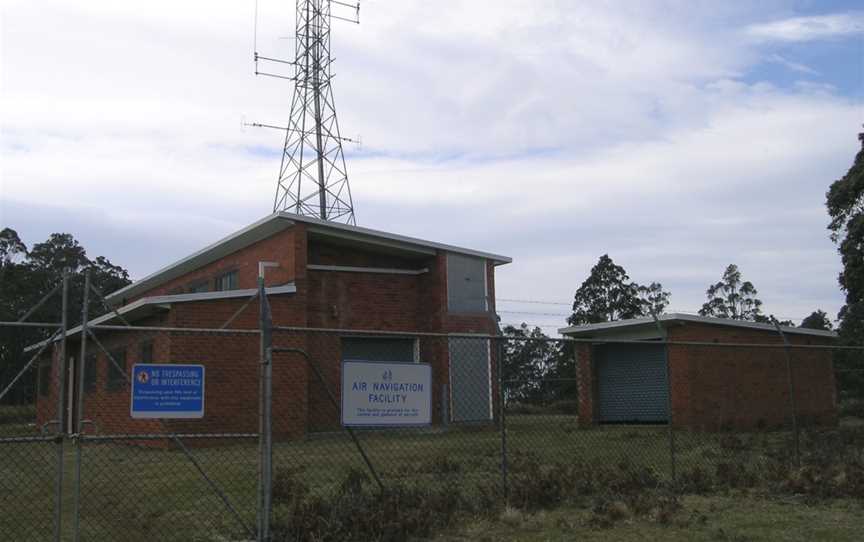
[502, 420]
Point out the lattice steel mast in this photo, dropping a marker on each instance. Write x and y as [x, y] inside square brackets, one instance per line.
[313, 178]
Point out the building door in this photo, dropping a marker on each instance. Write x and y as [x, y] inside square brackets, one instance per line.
[470, 380]
[631, 383]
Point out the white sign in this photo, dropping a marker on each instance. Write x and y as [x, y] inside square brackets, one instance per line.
[386, 394]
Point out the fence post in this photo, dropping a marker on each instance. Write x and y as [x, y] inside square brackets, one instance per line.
[665, 339]
[503, 423]
[445, 406]
[796, 438]
[265, 384]
[61, 391]
[76, 503]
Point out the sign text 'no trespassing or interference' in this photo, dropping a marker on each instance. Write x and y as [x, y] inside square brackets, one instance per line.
[164, 390]
[386, 394]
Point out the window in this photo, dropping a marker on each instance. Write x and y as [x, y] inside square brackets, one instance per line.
[226, 281]
[45, 379]
[199, 287]
[116, 379]
[90, 372]
[146, 355]
[466, 284]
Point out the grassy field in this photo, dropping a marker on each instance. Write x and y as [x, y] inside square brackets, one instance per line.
[134, 492]
[738, 517]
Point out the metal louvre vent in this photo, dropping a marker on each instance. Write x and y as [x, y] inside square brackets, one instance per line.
[471, 394]
[378, 349]
[466, 283]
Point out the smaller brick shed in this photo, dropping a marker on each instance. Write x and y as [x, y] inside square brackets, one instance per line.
[707, 387]
[320, 275]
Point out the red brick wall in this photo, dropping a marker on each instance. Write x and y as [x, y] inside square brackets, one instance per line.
[743, 387]
[384, 302]
[328, 299]
[746, 387]
[106, 405]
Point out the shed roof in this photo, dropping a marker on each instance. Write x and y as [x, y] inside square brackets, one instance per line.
[276, 222]
[634, 325]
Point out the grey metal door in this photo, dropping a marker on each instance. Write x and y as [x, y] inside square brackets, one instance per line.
[470, 384]
[631, 381]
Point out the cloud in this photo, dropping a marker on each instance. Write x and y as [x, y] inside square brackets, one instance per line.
[811, 28]
[794, 66]
[550, 131]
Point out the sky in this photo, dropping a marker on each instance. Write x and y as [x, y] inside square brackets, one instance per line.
[676, 136]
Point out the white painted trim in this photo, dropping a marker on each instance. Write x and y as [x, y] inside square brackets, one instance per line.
[379, 270]
[222, 294]
[486, 287]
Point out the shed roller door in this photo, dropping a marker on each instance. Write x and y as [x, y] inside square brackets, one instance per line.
[631, 381]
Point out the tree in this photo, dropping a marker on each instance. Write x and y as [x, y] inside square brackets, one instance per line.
[845, 202]
[529, 358]
[654, 298]
[26, 277]
[818, 319]
[608, 295]
[11, 247]
[61, 251]
[733, 298]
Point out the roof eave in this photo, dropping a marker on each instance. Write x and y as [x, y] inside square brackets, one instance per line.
[591, 329]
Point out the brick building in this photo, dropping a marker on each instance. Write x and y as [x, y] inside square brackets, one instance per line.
[318, 275]
[712, 387]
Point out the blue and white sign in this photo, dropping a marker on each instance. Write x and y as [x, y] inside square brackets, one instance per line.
[386, 394]
[167, 391]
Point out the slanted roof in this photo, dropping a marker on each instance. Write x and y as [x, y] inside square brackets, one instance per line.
[148, 306]
[318, 229]
[637, 326]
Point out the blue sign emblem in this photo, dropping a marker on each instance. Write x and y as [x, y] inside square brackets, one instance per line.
[167, 391]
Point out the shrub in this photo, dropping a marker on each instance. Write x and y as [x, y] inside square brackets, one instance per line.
[10, 414]
[358, 510]
[853, 408]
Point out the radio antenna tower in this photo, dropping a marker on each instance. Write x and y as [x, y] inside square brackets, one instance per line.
[313, 178]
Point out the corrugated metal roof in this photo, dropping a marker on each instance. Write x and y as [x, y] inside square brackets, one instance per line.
[272, 224]
[624, 325]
